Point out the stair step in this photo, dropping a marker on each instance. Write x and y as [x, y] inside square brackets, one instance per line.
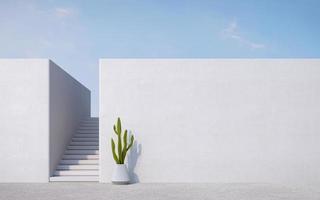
[77, 167]
[85, 143]
[90, 122]
[76, 172]
[82, 135]
[79, 162]
[83, 147]
[88, 131]
[88, 128]
[95, 125]
[80, 157]
[74, 178]
[91, 119]
[85, 139]
[81, 152]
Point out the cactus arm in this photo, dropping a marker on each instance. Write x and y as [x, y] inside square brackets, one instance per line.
[124, 149]
[127, 148]
[118, 131]
[115, 130]
[124, 154]
[119, 141]
[131, 142]
[125, 141]
[114, 152]
[119, 126]
[120, 148]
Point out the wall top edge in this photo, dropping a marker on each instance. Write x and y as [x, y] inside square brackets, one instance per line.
[210, 59]
[24, 59]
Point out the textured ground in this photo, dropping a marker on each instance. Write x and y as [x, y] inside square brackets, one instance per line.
[92, 191]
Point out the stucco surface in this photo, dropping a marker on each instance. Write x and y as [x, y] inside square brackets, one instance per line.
[214, 120]
[69, 104]
[40, 107]
[24, 120]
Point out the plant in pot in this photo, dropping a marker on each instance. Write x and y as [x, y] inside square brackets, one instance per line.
[120, 175]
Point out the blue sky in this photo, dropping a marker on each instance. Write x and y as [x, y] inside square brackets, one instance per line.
[75, 34]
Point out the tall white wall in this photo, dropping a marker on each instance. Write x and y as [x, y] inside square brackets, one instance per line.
[24, 120]
[69, 104]
[214, 120]
[40, 107]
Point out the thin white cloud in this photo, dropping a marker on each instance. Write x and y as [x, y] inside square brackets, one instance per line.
[63, 12]
[232, 32]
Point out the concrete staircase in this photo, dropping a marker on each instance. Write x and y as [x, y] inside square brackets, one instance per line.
[80, 161]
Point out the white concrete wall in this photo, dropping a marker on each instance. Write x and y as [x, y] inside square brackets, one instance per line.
[40, 107]
[69, 104]
[214, 120]
[24, 120]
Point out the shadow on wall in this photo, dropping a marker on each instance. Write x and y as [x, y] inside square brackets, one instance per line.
[133, 156]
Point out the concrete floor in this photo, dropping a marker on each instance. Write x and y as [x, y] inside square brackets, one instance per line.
[93, 191]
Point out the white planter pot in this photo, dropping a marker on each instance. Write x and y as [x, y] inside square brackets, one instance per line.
[120, 175]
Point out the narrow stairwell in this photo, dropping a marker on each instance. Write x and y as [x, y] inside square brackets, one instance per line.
[80, 161]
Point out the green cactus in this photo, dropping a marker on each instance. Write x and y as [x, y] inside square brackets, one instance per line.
[123, 146]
